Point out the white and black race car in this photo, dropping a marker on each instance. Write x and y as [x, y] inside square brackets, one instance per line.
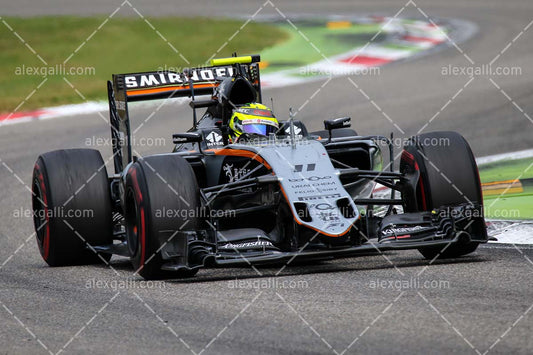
[293, 194]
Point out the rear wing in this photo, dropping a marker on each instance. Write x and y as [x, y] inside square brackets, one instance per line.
[125, 88]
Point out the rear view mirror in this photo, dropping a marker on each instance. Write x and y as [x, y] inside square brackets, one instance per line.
[180, 138]
[342, 122]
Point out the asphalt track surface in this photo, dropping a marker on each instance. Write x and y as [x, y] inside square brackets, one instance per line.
[480, 303]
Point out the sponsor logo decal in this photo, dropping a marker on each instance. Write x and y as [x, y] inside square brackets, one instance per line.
[297, 131]
[255, 112]
[234, 174]
[258, 121]
[401, 230]
[171, 78]
[322, 206]
[246, 245]
[311, 178]
[318, 197]
[329, 216]
[213, 139]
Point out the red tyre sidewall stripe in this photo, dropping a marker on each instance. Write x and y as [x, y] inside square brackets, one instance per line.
[410, 160]
[46, 241]
[143, 242]
[138, 195]
[422, 189]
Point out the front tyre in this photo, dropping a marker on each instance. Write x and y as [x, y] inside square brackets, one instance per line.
[448, 176]
[162, 198]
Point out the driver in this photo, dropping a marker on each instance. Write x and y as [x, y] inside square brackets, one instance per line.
[252, 119]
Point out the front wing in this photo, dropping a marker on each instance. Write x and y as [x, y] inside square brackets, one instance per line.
[276, 257]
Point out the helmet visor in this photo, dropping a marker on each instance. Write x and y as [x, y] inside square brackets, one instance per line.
[257, 128]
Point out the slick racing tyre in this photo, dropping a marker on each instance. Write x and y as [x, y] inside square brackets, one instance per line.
[71, 206]
[448, 176]
[161, 198]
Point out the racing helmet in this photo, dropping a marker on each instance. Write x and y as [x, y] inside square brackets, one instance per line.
[252, 118]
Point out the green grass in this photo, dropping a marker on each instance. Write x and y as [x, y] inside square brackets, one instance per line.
[506, 170]
[121, 45]
[402, 47]
[508, 206]
[298, 50]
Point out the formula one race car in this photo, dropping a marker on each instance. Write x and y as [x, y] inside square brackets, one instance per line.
[264, 198]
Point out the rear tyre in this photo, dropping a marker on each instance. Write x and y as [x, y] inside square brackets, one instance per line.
[162, 197]
[448, 176]
[72, 206]
[336, 133]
